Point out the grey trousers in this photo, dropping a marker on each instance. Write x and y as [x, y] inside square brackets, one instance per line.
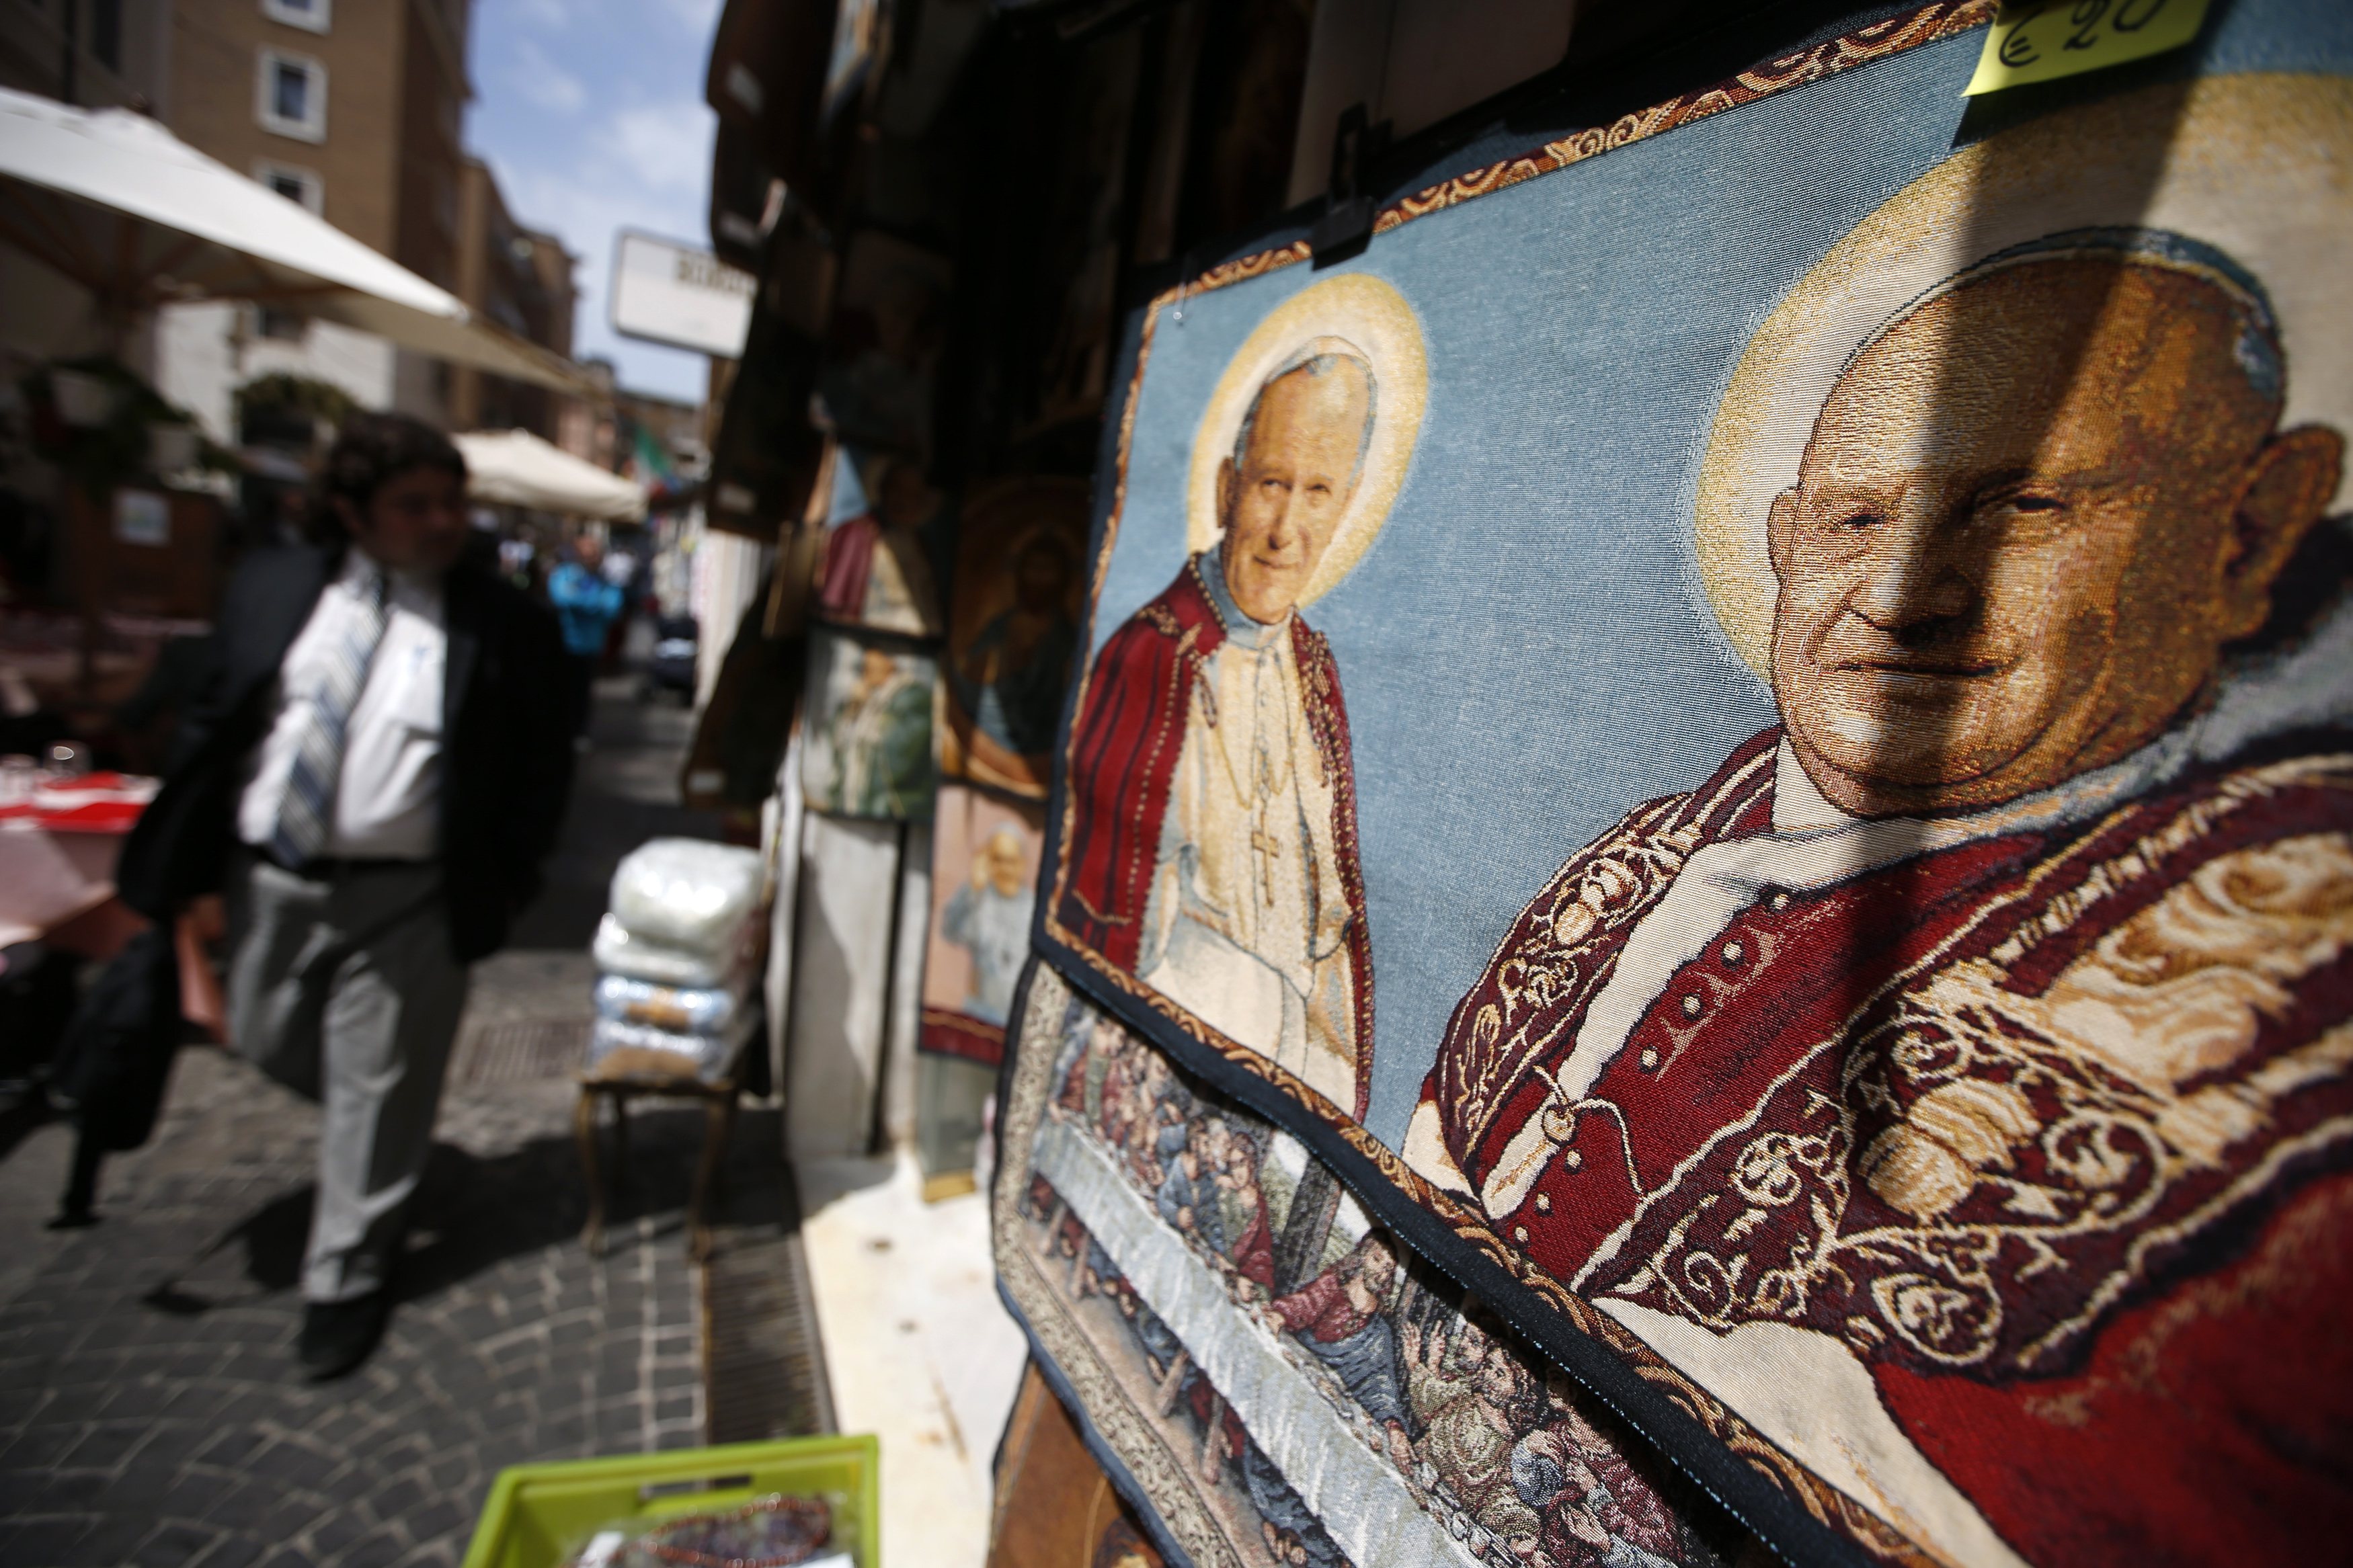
[343, 989]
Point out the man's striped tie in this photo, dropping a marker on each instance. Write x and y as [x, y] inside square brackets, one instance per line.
[309, 802]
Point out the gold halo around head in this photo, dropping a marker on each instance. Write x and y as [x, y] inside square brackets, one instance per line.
[2254, 165]
[1368, 318]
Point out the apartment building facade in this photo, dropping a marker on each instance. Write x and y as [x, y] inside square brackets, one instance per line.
[118, 54]
[520, 279]
[355, 108]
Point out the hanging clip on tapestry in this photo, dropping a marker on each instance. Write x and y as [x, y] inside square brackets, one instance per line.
[1346, 224]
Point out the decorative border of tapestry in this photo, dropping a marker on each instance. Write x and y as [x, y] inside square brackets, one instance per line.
[1274, 1376]
[1743, 724]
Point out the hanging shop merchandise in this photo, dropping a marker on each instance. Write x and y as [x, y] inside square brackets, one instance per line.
[1012, 629]
[1269, 1366]
[984, 896]
[1739, 724]
[866, 748]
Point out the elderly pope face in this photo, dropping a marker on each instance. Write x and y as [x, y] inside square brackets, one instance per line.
[999, 865]
[2029, 518]
[1281, 504]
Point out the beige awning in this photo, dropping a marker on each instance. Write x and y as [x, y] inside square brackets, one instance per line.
[122, 206]
[515, 467]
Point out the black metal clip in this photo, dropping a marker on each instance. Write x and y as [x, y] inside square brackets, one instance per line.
[1346, 224]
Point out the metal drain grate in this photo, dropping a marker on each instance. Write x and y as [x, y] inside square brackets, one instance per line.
[764, 1365]
[520, 1052]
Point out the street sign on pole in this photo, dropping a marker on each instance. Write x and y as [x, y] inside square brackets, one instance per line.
[669, 293]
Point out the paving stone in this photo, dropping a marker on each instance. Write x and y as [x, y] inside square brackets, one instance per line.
[234, 1552]
[234, 1448]
[398, 1499]
[140, 1482]
[195, 1495]
[109, 1543]
[253, 1502]
[68, 1490]
[172, 1443]
[176, 1543]
[45, 1539]
[445, 1517]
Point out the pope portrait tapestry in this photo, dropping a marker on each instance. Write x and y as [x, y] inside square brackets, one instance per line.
[1745, 724]
[984, 900]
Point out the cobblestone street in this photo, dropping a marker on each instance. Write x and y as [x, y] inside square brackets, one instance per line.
[150, 1408]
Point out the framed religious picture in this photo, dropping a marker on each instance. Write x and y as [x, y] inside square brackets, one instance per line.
[882, 350]
[1013, 626]
[1745, 721]
[873, 563]
[984, 900]
[866, 747]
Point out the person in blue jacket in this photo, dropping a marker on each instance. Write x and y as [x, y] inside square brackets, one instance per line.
[585, 606]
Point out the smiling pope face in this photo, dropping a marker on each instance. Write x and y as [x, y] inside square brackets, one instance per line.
[1282, 502]
[2029, 517]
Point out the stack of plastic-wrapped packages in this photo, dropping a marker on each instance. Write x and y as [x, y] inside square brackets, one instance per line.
[676, 953]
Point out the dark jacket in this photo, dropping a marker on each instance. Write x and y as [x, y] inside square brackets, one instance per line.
[506, 750]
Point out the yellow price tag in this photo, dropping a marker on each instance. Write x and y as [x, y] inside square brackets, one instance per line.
[2042, 40]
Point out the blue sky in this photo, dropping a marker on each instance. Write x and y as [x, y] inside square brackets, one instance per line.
[591, 113]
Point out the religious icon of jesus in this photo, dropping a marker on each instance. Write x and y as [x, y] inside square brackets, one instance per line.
[1972, 1048]
[1215, 853]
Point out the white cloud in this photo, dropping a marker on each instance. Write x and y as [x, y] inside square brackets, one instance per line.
[700, 17]
[542, 83]
[665, 145]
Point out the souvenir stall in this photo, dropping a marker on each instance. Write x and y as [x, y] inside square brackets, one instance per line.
[1631, 758]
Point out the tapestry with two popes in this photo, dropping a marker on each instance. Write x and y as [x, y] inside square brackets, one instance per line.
[1742, 724]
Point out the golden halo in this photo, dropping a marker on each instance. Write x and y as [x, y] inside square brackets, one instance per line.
[2255, 165]
[1368, 316]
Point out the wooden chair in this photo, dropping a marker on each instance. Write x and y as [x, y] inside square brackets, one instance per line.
[628, 1073]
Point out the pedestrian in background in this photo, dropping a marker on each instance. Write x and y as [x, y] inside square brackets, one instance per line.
[371, 774]
[587, 605]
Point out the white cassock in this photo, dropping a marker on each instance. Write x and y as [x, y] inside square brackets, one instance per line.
[1245, 923]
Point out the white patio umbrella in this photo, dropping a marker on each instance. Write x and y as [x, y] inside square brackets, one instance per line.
[515, 467]
[121, 205]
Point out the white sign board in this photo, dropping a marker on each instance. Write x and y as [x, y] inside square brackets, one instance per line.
[666, 293]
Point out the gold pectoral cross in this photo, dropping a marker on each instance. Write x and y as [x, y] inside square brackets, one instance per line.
[1269, 848]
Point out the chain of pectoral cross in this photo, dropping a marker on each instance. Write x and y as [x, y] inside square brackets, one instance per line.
[1258, 796]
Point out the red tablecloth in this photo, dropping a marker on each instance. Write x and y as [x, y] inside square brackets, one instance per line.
[94, 803]
[58, 850]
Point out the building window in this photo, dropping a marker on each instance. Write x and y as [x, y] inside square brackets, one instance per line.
[301, 186]
[106, 34]
[310, 15]
[285, 326]
[291, 96]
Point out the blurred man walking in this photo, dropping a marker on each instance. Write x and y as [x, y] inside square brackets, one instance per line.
[372, 773]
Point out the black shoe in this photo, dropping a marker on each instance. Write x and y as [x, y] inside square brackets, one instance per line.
[339, 1335]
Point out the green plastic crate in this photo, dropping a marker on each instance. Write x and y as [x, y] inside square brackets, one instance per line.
[536, 1513]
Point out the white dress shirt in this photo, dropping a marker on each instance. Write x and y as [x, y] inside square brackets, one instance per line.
[389, 797]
